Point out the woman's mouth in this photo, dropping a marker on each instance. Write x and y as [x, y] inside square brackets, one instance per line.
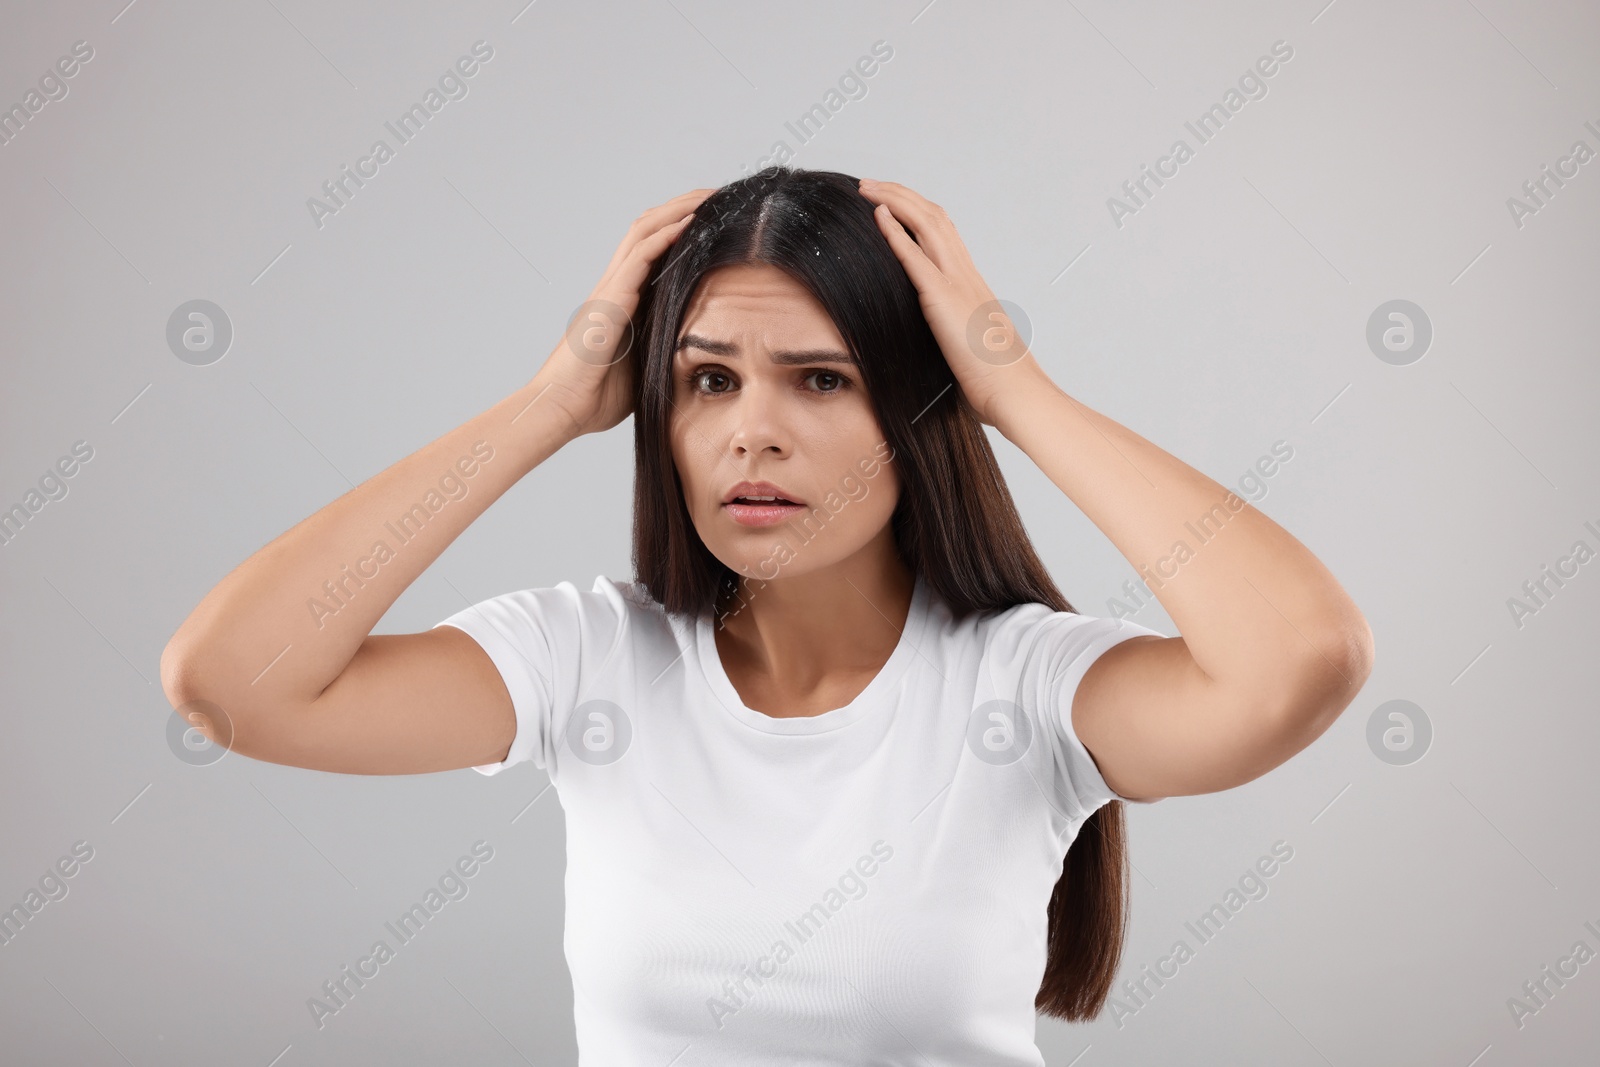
[757, 510]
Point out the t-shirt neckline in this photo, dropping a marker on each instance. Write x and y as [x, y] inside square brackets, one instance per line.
[904, 651]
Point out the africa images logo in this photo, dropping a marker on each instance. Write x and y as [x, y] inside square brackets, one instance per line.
[797, 932]
[453, 84]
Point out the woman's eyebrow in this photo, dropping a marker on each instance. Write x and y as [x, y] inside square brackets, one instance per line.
[784, 357]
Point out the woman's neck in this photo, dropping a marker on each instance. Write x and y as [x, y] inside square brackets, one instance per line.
[809, 643]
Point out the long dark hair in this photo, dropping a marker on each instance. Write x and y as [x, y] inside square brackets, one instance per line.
[955, 523]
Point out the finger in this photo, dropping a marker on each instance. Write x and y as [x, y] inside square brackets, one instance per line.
[935, 231]
[922, 270]
[653, 219]
[673, 209]
[656, 243]
[630, 274]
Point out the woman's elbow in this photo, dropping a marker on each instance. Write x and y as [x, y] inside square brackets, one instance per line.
[1327, 682]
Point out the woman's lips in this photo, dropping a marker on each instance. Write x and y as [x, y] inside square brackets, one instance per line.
[762, 514]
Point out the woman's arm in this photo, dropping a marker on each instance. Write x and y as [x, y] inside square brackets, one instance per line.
[1272, 648]
[283, 645]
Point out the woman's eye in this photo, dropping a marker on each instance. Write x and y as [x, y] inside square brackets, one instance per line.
[700, 376]
[712, 382]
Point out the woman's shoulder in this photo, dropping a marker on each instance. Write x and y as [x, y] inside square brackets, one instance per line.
[1019, 628]
[628, 604]
[609, 604]
[629, 593]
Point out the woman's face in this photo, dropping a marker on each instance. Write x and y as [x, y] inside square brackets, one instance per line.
[763, 390]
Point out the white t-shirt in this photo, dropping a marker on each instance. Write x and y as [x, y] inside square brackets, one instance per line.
[864, 885]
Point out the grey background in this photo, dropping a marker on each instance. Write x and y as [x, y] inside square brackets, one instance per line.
[1227, 314]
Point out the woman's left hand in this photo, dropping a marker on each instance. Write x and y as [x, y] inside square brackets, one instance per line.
[979, 340]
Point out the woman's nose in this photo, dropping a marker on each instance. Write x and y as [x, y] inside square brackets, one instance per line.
[758, 420]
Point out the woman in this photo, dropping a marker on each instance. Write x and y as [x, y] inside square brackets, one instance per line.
[842, 770]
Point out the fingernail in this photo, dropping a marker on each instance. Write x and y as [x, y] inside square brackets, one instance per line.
[867, 181]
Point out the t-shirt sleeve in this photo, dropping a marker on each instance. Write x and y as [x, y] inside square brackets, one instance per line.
[540, 640]
[1054, 650]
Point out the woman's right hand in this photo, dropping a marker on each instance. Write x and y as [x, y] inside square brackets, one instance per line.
[588, 376]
